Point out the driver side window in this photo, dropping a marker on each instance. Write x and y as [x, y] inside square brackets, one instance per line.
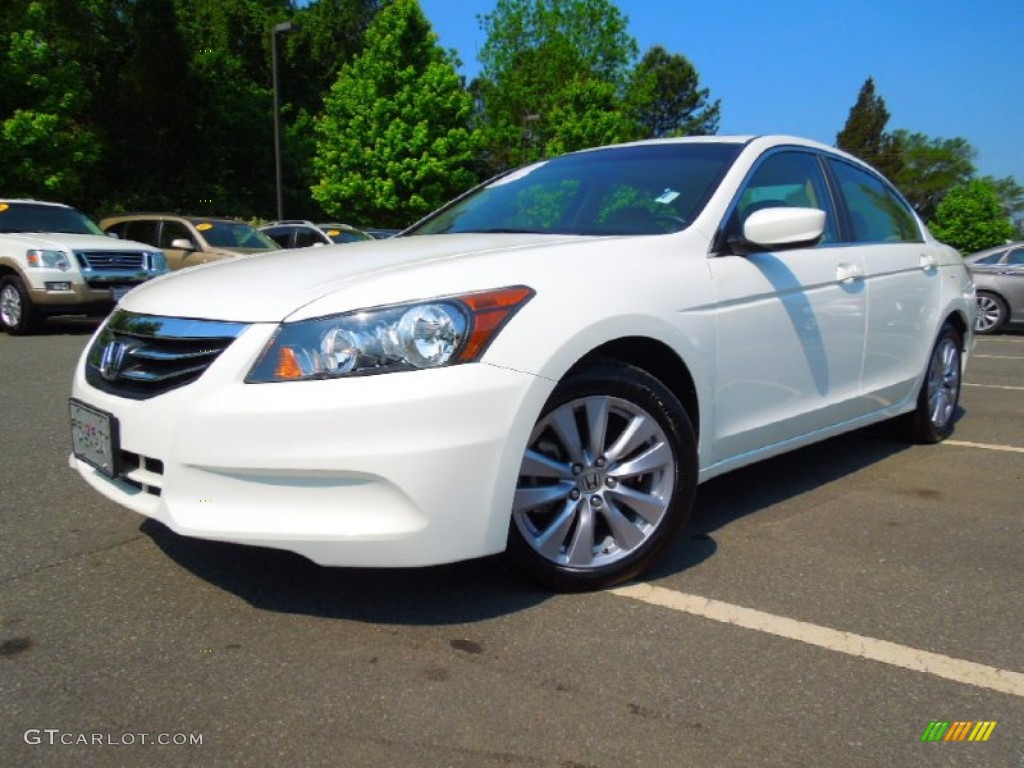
[785, 179]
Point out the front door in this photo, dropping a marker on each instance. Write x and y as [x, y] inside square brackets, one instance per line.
[791, 323]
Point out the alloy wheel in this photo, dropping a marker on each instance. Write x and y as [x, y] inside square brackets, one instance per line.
[944, 382]
[10, 306]
[596, 480]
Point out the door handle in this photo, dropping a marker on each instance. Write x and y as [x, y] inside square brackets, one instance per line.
[928, 262]
[848, 273]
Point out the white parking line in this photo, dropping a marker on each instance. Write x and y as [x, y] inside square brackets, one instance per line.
[983, 446]
[994, 386]
[997, 357]
[958, 670]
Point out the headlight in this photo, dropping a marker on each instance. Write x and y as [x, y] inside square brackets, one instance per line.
[423, 334]
[157, 261]
[52, 259]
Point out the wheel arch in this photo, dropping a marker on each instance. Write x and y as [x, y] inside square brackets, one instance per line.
[657, 359]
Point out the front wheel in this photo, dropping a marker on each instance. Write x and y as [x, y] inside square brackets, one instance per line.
[607, 479]
[933, 419]
[17, 314]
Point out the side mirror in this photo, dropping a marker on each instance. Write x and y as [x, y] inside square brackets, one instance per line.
[780, 228]
[182, 244]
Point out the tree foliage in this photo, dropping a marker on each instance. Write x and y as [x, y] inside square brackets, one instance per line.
[864, 133]
[667, 97]
[930, 168]
[541, 57]
[47, 141]
[394, 140]
[971, 218]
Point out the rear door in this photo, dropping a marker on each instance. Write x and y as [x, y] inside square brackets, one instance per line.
[903, 281]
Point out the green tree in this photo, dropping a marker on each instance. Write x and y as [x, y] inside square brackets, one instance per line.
[930, 168]
[1011, 195]
[538, 58]
[588, 114]
[148, 114]
[971, 218]
[48, 143]
[394, 140]
[864, 133]
[668, 99]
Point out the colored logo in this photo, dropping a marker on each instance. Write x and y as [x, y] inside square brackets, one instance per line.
[958, 730]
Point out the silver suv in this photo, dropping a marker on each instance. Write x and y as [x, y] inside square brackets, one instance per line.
[54, 260]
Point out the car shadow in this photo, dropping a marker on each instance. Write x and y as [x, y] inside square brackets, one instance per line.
[751, 489]
[275, 580]
[476, 590]
[68, 326]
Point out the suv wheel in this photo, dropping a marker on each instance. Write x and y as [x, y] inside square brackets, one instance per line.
[17, 313]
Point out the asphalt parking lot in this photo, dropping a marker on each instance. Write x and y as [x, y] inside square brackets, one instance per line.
[825, 609]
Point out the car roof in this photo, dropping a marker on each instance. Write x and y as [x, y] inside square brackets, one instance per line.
[9, 200]
[158, 215]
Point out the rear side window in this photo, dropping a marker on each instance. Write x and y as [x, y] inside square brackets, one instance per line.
[876, 213]
[279, 235]
[1016, 257]
[140, 231]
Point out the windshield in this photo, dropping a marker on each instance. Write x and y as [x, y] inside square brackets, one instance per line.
[37, 217]
[635, 190]
[344, 234]
[234, 235]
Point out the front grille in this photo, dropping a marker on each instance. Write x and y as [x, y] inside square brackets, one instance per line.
[110, 261]
[142, 356]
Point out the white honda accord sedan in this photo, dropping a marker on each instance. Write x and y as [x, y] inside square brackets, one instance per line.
[546, 367]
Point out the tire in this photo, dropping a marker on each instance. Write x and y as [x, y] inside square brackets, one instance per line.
[992, 312]
[608, 478]
[933, 419]
[18, 315]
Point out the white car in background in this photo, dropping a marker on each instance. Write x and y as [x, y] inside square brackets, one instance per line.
[548, 366]
[55, 260]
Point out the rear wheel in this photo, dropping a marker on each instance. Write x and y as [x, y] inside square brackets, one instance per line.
[17, 313]
[608, 478]
[992, 312]
[937, 402]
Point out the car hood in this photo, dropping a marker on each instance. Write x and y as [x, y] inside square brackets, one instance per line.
[270, 287]
[60, 241]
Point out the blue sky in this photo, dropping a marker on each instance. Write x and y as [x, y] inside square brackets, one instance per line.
[945, 68]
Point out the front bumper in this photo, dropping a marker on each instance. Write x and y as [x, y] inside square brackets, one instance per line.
[87, 290]
[401, 469]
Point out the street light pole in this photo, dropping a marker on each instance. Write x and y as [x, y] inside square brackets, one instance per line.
[283, 28]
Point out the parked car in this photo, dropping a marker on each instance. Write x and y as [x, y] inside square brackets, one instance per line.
[55, 260]
[190, 240]
[301, 234]
[998, 275]
[548, 366]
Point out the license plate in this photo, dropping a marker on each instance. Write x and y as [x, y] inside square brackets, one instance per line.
[118, 291]
[94, 437]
